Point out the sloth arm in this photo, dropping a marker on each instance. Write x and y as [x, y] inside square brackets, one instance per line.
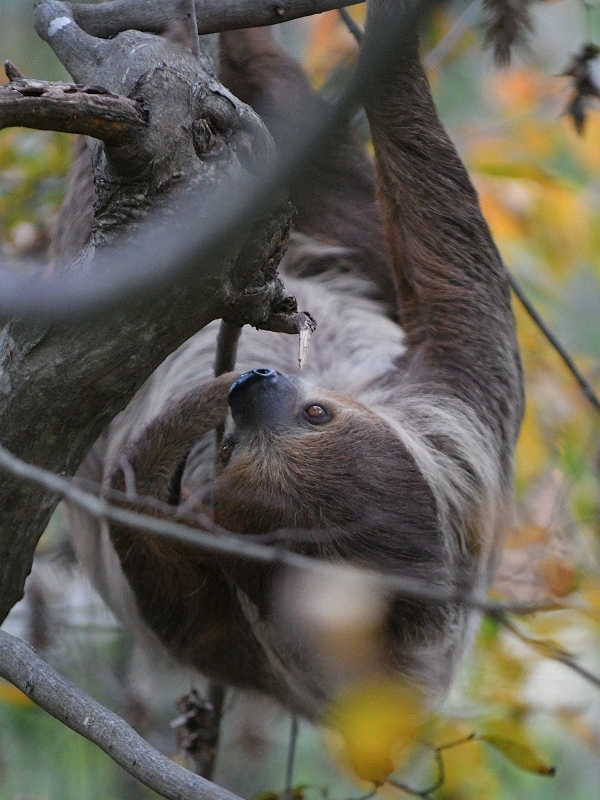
[454, 297]
[335, 200]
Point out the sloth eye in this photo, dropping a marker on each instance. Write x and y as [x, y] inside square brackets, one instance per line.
[225, 451]
[316, 414]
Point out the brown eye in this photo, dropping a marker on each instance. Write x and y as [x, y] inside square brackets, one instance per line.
[316, 414]
[225, 451]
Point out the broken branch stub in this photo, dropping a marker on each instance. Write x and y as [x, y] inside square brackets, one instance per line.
[58, 106]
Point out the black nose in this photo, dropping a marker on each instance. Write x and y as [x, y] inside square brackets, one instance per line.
[248, 378]
[262, 398]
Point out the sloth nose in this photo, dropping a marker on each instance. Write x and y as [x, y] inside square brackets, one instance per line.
[264, 372]
[248, 378]
[262, 398]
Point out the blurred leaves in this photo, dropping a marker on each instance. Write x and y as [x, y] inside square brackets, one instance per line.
[539, 185]
[378, 723]
[33, 165]
[12, 696]
[512, 739]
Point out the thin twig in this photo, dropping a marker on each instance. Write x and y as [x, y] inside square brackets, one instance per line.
[288, 789]
[560, 349]
[216, 698]
[425, 793]
[547, 649]
[441, 769]
[229, 544]
[20, 665]
[352, 26]
[188, 10]
[226, 353]
[451, 38]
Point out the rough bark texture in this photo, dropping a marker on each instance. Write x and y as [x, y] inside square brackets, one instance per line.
[61, 386]
[212, 15]
[69, 108]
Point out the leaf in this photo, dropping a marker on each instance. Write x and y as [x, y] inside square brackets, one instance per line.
[559, 575]
[13, 696]
[377, 723]
[511, 738]
[298, 793]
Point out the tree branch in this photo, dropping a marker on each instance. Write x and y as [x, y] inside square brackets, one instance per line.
[58, 106]
[69, 383]
[252, 548]
[20, 665]
[170, 257]
[154, 16]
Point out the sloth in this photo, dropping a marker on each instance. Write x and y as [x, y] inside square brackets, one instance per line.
[391, 451]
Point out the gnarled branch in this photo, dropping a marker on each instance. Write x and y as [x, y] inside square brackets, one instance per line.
[57, 106]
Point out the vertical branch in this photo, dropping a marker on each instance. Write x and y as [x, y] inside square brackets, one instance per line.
[187, 10]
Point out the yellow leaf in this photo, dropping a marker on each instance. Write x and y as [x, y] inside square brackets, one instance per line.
[532, 451]
[13, 696]
[560, 575]
[511, 739]
[377, 723]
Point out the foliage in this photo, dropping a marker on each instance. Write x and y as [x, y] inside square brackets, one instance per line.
[518, 710]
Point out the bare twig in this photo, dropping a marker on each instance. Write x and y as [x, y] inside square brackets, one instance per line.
[437, 783]
[188, 9]
[352, 26]
[441, 769]
[57, 106]
[547, 648]
[227, 344]
[560, 349]
[451, 38]
[288, 788]
[107, 19]
[216, 697]
[20, 665]
[229, 544]
[226, 353]
[223, 542]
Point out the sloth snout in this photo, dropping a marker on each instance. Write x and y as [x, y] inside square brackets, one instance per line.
[262, 398]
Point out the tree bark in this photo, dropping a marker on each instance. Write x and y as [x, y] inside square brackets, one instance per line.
[61, 385]
[154, 16]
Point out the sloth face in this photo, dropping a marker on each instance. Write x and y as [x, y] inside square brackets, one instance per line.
[301, 457]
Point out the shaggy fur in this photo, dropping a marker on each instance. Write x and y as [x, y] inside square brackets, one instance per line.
[411, 471]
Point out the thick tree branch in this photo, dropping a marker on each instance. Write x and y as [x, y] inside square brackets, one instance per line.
[170, 256]
[200, 145]
[69, 383]
[88, 110]
[155, 16]
[20, 665]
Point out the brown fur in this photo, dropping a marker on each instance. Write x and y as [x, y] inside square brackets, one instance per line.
[411, 472]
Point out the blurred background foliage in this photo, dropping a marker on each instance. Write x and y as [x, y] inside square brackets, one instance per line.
[539, 184]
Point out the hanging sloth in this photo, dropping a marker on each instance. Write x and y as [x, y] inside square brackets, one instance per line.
[392, 451]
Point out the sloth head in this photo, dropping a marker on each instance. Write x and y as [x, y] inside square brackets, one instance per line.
[303, 457]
